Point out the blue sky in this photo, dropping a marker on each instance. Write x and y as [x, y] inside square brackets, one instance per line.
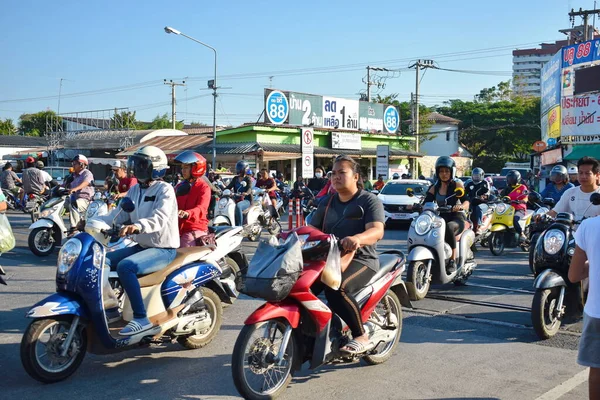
[111, 44]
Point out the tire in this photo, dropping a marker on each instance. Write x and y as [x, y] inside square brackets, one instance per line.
[544, 301]
[532, 246]
[29, 355]
[215, 309]
[387, 352]
[239, 359]
[417, 284]
[236, 276]
[496, 243]
[38, 234]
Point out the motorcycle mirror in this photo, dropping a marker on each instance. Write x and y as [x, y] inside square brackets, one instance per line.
[127, 205]
[183, 188]
[354, 212]
[549, 201]
[410, 192]
[460, 192]
[595, 199]
[243, 184]
[375, 191]
[535, 197]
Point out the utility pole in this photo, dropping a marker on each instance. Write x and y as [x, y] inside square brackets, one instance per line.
[378, 83]
[173, 84]
[585, 14]
[59, 92]
[417, 66]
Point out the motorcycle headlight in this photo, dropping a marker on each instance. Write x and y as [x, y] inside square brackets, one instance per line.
[92, 209]
[553, 241]
[48, 211]
[222, 203]
[423, 224]
[98, 260]
[541, 211]
[68, 255]
[501, 208]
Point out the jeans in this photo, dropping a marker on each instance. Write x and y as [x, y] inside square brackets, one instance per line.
[133, 261]
[518, 215]
[239, 212]
[478, 212]
[77, 209]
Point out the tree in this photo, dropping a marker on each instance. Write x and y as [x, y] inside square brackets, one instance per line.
[502, 92]
[164, 122]
[123, 120]
[405, 112]
[7, 127]
[36, 123]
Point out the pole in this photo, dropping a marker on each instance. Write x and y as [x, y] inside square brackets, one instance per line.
[368, 83]
[173, 105]
[418, 138]
[59, 92]
[214, 160]
[585, 27]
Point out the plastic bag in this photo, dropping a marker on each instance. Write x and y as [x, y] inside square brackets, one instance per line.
[7, 239]
[332, 273]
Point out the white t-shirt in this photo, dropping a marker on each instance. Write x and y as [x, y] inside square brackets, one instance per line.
[587, 238]
[47, 177]
[575, 201]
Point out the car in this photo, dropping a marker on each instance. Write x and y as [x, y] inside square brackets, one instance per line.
[395, 198]
[499, 182]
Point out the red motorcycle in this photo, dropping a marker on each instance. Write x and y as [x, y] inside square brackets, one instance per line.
[280, 336]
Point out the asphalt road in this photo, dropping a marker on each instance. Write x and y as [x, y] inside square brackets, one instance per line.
[470, 342]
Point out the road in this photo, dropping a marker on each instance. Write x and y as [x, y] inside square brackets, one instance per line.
[471, 342]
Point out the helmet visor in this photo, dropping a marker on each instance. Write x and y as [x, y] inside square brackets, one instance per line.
[476, 177]
[140, 167]
[557, 177]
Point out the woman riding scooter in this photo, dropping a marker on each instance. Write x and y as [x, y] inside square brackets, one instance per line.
[236, 187]
[193, 198]
[517, 192]
[445, 172]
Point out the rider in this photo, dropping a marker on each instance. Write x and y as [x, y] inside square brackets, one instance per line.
[576, 200]
[490, 182]
[396, 176]
[33, 179]
[379, 184]
[47, 177]
[573, 175]
[126, 182]
[193, 198]
[558, 185]
[318, 182]
[478, 190]
[267, 183]
[8, 179]
[154, 223]
[359, 241]
[236, 187]
[81, 189]
[446, 184]
[517, 192]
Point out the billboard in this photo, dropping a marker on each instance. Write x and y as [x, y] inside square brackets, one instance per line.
[551, 124]
[550, 83]
[580, 119]
[581, 53]
[291, 108]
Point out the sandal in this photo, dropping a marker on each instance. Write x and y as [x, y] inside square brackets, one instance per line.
[355, 348]
[136, 326]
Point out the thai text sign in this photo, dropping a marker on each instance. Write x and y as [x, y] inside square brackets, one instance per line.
[580, 119]
[550, 83]
[348, 141]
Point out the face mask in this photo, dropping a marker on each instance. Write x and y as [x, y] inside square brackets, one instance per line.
[319, 175]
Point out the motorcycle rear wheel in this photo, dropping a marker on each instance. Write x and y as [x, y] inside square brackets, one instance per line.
[545, 324]
[253, 357]
[496, 243]
[38, 356]
[393, 307]
[215, 309]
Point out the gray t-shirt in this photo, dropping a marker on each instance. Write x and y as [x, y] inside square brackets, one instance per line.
[33, 180]
[8, 179]
[373, 213]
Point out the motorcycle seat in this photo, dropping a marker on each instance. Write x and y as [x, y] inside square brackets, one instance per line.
[386, 264]
[220, 230]
[184, 256]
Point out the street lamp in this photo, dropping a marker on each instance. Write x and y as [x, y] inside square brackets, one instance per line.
[212, 84]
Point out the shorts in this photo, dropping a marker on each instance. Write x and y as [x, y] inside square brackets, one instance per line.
[589, 344]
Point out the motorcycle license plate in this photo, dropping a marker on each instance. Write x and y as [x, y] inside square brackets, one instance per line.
[401, 216]
[30, 204]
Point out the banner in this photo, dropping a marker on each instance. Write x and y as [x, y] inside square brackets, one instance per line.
[550, 83]
[582, 53]
[345, 141]
[551, 124]
[580, 119]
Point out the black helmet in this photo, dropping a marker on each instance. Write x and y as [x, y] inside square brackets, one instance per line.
[477, 175]
[559, 173]
[396, 176]
[513, 178]
[280, 176]
[241, 166]
[445, 162]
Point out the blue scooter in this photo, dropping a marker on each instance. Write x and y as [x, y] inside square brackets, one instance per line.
[183, 301]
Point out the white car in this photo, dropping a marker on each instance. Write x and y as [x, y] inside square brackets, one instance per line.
[394, 198]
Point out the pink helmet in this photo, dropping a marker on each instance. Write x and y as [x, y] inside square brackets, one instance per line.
[489, 180]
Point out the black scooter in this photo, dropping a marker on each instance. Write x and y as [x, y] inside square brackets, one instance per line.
[555, 296]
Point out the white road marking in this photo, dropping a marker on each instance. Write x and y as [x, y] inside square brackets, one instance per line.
[566, 386]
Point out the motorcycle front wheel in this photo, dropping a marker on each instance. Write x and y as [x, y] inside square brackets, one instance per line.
[532, 245]
[543, 309]
[496, 243]
[41, 349]
[256, 374]
[41, 241]
[418, 282]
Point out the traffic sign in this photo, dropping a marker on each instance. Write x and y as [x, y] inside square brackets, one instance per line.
[539, 146]
[307, 165]
[383, 166]
[308, 140]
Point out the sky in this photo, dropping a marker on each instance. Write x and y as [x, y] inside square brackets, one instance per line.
[119, 53]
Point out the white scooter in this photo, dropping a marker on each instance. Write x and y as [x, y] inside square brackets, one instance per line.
[50, 230]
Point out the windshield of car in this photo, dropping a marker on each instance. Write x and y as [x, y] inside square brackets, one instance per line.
[400, 188]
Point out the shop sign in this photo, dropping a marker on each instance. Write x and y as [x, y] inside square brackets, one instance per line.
[345, 141]
[552, 157]
[580, 119]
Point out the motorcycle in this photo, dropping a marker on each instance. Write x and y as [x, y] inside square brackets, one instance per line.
[555, 296]
[261, 214]
[183, 301]
[429, 254]
[540, 222]
[32, 205]
[12, 200]
[503, 233]
[279, 337]
[49, 230]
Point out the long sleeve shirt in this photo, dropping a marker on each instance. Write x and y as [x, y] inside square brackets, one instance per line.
[196, 203]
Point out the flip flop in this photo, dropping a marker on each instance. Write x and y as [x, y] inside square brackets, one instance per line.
[355, 348]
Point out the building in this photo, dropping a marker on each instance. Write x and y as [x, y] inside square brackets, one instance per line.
[527, 67]
[18, 147]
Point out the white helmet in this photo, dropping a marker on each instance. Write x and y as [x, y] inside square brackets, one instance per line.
[572, 170]
[148, 163]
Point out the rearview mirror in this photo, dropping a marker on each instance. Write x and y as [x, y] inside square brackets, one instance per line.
[410, 192]
[535, 197]
[549, 201]
[243, 184]
[595, 199]
[460, 192]
[127, 205]
[354, 212]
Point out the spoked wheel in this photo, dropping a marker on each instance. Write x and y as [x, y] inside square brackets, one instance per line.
[543, 312]
[215, 310]
[389, 313]
[42, 347]
[274, 226]
[256, 373]
[41, 241]
[497, 243]
[418, 281]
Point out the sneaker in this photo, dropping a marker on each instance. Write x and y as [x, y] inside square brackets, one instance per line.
[136, 326]
[451, 267]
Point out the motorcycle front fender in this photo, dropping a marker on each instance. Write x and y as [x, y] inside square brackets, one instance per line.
[42, 223]
[222, 219]
[286, 309]
[420, 253]
[63, 303]
[549, 279]
[498, 228]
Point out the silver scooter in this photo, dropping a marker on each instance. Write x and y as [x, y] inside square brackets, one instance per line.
[429, 254]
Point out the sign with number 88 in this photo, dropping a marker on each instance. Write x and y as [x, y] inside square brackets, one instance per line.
[391, 119]
[277, 107]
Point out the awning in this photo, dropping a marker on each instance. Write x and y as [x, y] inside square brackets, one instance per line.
[171, 145]
[591, 150]
[21, 155]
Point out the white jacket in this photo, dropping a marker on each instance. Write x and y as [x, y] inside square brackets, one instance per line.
[155, 213]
